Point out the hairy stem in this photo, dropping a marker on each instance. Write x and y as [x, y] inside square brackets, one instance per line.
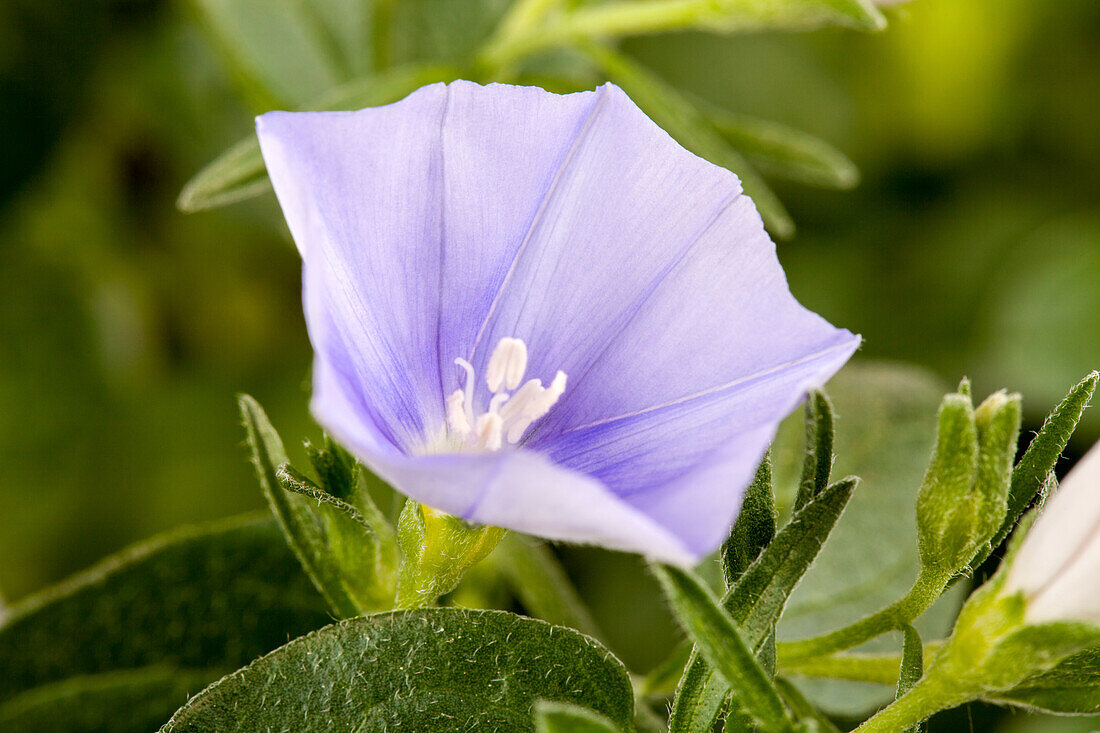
[923, 594]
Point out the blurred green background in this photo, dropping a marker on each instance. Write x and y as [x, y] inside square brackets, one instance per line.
[971, 246]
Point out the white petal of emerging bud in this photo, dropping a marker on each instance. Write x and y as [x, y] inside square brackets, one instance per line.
[1058, 564]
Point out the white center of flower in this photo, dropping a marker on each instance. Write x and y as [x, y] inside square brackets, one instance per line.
[509, 415]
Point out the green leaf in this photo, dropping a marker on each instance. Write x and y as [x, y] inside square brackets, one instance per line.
[343, 544]
[541, 585]
[783, 152]
[887, 417]
[818, 461]
[755, 525]
[912, 666]
[239, 173]
[207, 598]
[757, 600]
[557, 717]
[598, 21]
[718, 640]
[127, 701]
[286, 50]
[681, 119]
[437, 670]
[1035, 466]
[322, 537]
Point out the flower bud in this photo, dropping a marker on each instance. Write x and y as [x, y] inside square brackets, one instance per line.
[962, 500]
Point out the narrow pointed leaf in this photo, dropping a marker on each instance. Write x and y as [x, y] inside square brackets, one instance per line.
[541, 585]
[700, 698]
[335, 469]
[287, 50]
[721, 643]
[443, 670]
[1031, 472]
[239, 173]
[206, 599]
[681, 119]
[298, 515]
[818, 461]
[755, 525]
[557, 717]
[344, 546]
[781, 151]
[759, 596]
[757, 600]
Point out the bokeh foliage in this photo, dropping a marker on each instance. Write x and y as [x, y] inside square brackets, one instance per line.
[971, 245]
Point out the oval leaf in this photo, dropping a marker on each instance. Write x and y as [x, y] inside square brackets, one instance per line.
[436, 669]
[209, 598]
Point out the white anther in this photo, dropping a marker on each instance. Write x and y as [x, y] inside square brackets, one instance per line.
[523, 397]
[489, 430]
[508, 416]
[456, 413]
[507, 365]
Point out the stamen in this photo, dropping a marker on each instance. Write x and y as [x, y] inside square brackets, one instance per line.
[489, 428]
[456, 413]
[498, 399]
[469, 403]
[507, 364]
[508, 416]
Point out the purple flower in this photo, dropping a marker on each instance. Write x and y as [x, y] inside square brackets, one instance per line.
[539, 312]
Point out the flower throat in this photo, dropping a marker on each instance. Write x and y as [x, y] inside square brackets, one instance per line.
[510, 413]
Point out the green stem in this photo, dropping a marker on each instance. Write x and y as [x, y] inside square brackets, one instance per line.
[878, 668]
[927, 697]
[923, 594]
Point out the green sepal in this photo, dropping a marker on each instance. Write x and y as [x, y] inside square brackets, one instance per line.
[680, 118]
[1071, 686]
[719, 641]
[912, 666]
[559, 717]
[437, 549]
[755, 525]
[239, 173]
[324, 538]
[444, 670]
[818, 459]
[1031, 476]
[344, 546]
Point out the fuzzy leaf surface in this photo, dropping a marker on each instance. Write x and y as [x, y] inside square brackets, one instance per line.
[439, 669]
